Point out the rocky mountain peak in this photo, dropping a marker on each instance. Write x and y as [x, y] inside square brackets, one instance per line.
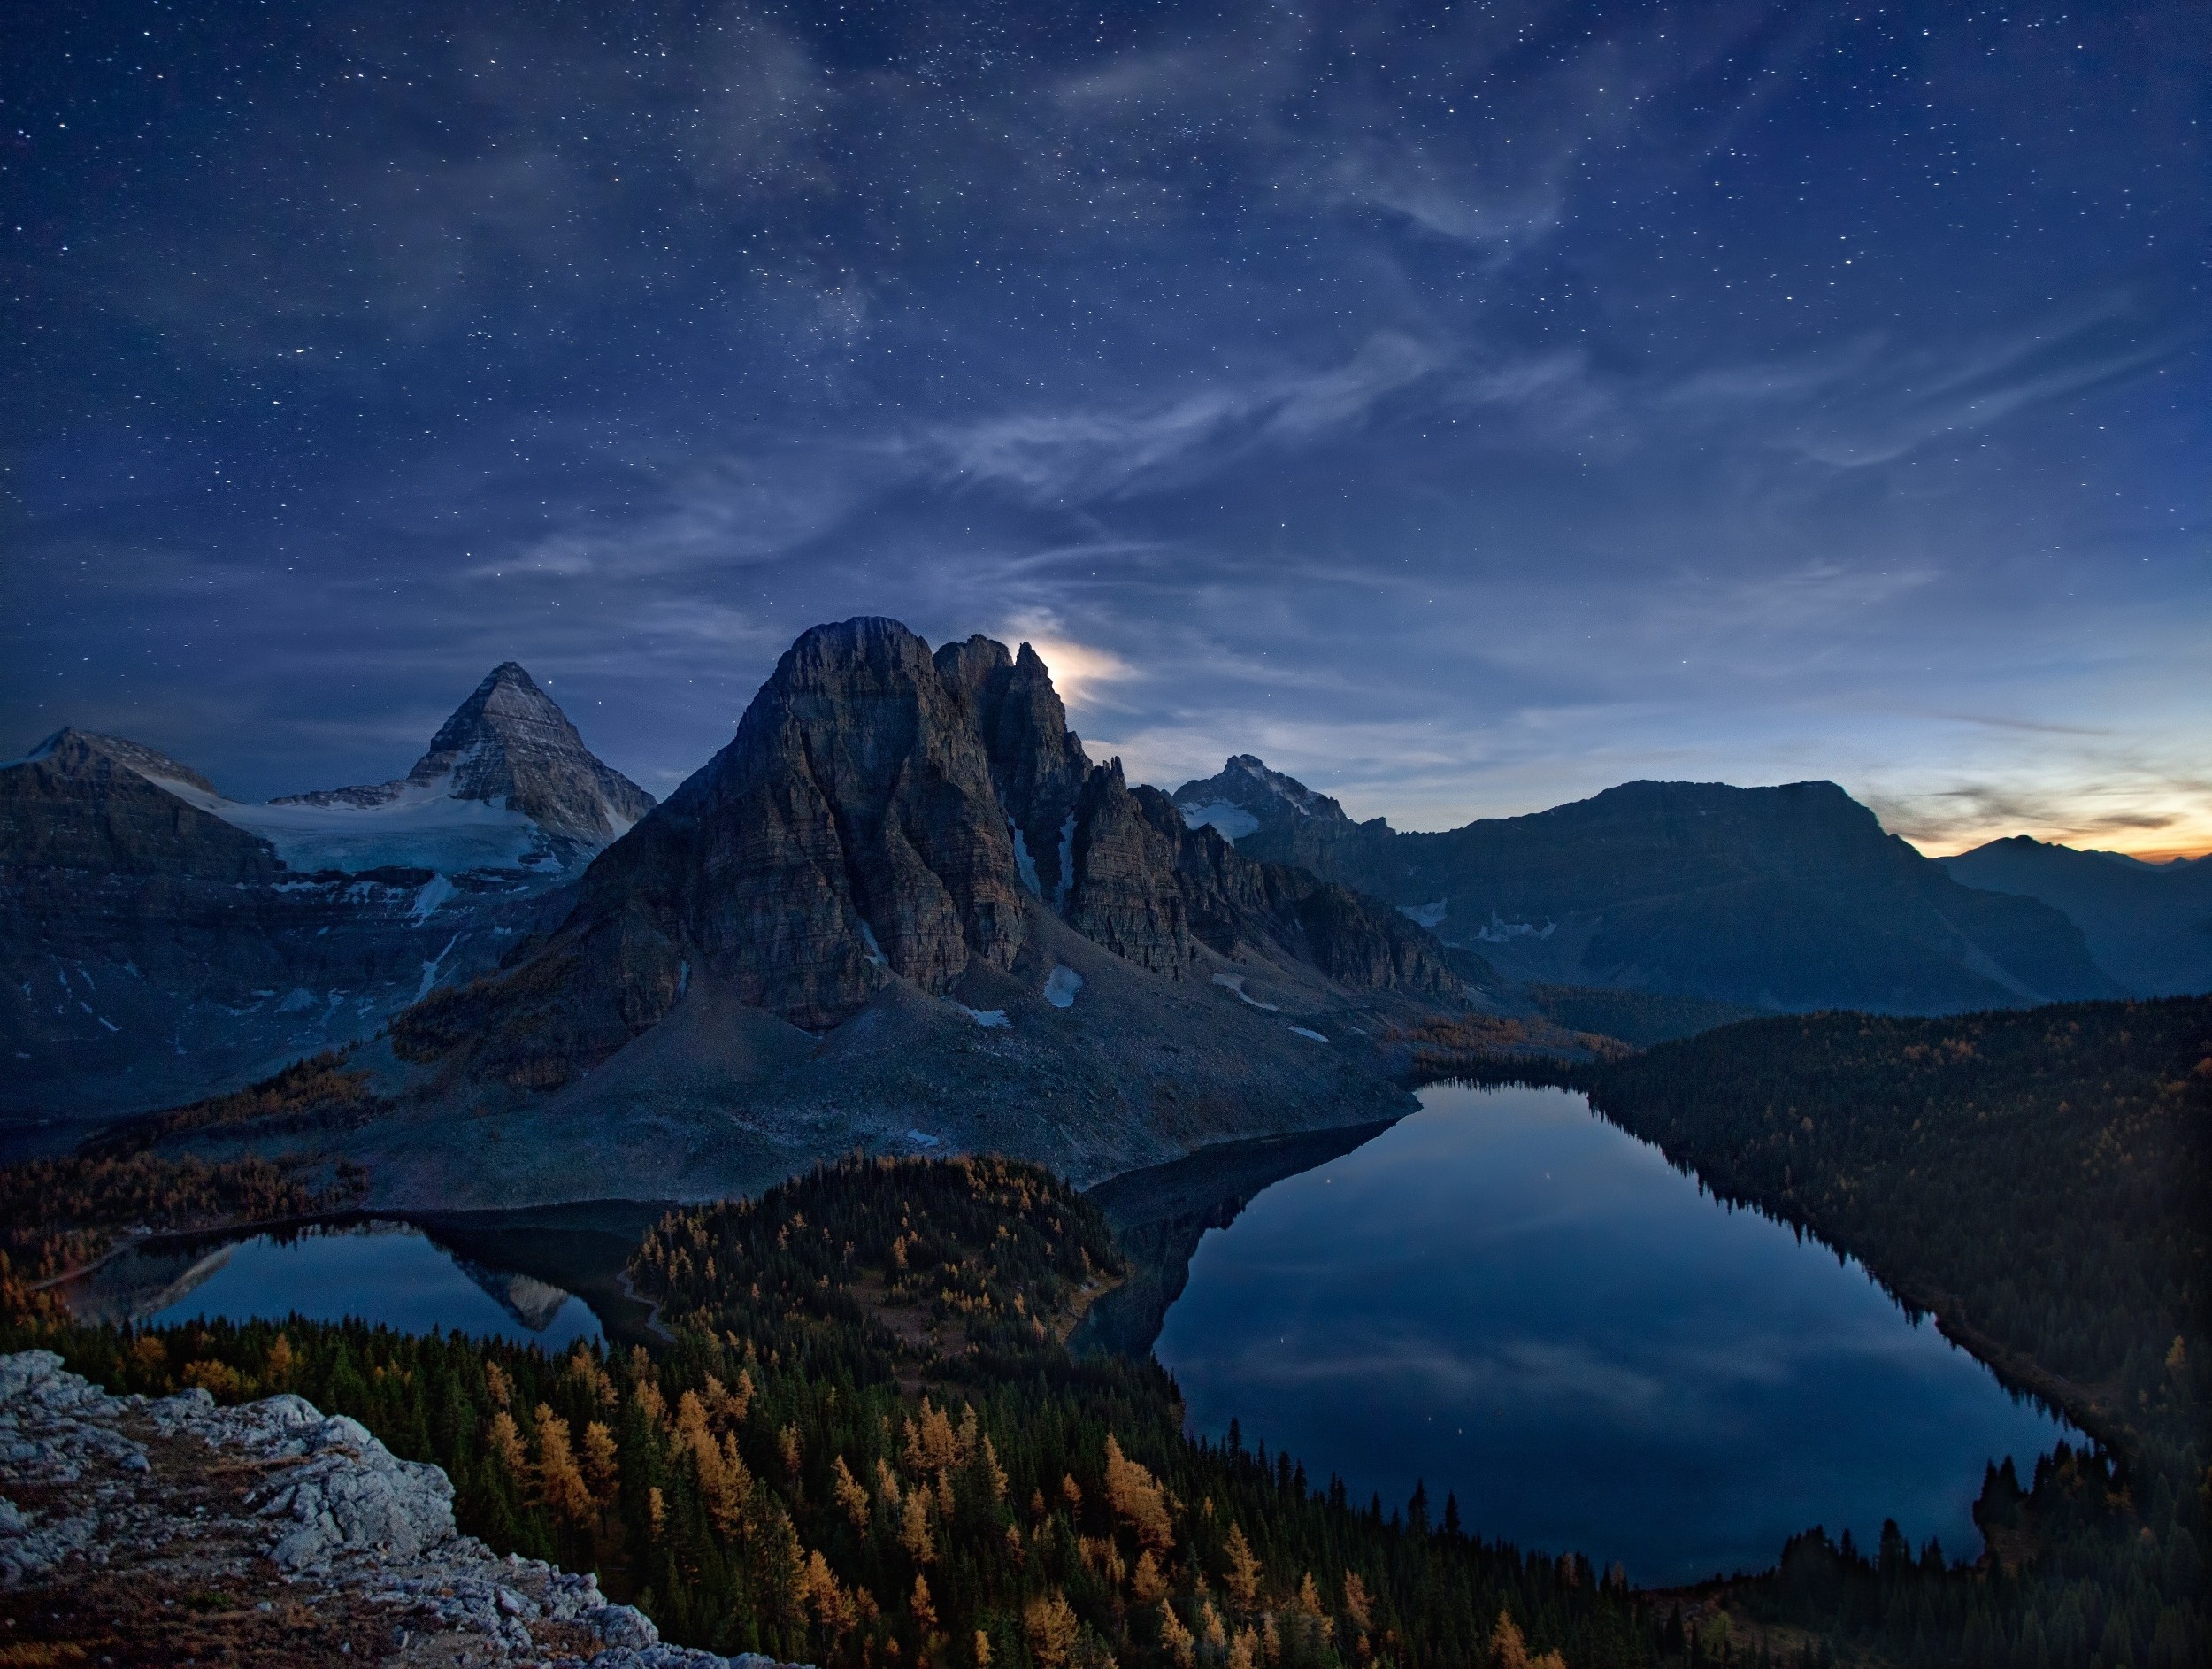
[1245, 796]
[104, 805]
[883, 813]
[510, 744]
[75, 752]
[850, 832]
[1038, 765]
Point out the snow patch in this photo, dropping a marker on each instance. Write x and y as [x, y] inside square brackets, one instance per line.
[987, 1018]
[429, 968]
[1023, 863]
[1232, 821]
[428, 896]
[1061, 985]
[1235, 982]
[875, 951]
[422, 827]
[1307, 1031]
[1067, 866]
[1426, 915]
[1499, 932]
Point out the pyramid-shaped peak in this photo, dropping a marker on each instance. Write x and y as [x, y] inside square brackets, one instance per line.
[509, 745]
[1245, 781]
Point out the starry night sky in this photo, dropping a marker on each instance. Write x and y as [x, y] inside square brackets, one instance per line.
[1465, 407]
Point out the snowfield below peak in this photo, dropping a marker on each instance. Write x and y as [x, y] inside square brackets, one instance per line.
[423, 826]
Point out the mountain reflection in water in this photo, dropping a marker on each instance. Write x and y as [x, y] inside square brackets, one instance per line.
[548, 1277]
[1511, 1300]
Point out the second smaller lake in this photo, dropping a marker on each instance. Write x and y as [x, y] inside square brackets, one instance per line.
[547, 1284]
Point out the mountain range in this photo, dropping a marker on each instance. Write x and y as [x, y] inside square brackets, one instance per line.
[1775, 898]
[159, 941]
[904, 908]
[2148, 924]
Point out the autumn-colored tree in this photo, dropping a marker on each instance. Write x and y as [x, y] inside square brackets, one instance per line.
[1244, 1651]
[925, 1612]
[1243, 1574]
[601, 1470]
[560, 1482]
[1147, 1586]
[851, 1499]
[995, 1473]
[496, 1382]
[655, 1511]
[1508, 1649]
[279, 1372]
[1135, 1496]
[1071, 1492]
[1049, 1621]
[1213, 1638]
[505, 1440]
[1181, 1644]
[982, 1650]
[914, 1535]
[1358, 1605]
[819, 1591]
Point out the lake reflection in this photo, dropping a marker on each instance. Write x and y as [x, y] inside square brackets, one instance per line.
[1516, 1300]
[382, 1273]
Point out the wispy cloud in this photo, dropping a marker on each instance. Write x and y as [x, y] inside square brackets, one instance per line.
[1093, 452]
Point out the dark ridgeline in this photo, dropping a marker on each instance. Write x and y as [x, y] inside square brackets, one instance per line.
[2148, 924]
[1788, 897]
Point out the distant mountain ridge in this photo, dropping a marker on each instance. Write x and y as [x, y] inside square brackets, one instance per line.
[1789, 898]
[159, 942]
[2148, 924]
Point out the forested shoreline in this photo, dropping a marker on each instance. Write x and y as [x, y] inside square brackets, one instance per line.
[867, 1443]
[869, 1446]
[2038, 1179]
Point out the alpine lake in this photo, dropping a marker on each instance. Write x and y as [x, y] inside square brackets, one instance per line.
[1502, 1298]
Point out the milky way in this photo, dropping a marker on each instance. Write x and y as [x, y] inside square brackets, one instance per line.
[1463, 407]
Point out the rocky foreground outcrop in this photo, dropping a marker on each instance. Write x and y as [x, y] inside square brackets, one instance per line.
[163, 1532]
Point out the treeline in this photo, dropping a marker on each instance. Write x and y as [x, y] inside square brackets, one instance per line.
[2037, 1178]
[58, 1214]
[867, 1447]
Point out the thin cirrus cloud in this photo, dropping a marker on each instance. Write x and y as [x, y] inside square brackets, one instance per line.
[1089, 453]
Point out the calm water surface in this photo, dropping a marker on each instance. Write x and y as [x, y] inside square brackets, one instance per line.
[387, 1273]
[1515, 1301]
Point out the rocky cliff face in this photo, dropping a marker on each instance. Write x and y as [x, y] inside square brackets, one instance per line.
[87, 803]
[880, 814]
[1789, 898]
[1038, 767]
[508, 744]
